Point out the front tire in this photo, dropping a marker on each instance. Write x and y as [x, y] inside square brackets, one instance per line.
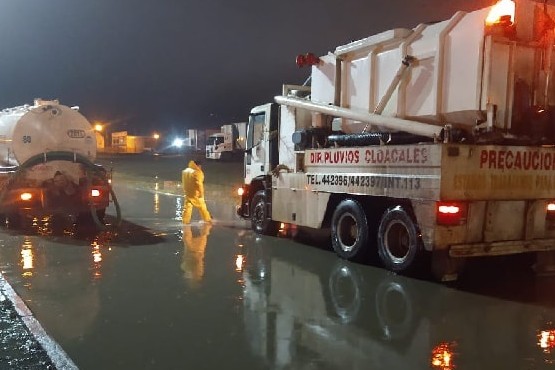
[399, 245]
[349, 230]
[261, 222]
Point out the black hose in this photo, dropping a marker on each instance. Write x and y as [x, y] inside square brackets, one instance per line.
[94, 215]
[377, 138]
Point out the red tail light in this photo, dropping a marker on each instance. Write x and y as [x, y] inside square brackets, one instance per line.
[450, 213]
[95, 193]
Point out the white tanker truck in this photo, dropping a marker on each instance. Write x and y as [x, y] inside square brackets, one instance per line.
[46, 165]
[433, 144]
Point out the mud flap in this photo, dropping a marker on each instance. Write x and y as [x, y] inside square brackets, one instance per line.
[444, 267]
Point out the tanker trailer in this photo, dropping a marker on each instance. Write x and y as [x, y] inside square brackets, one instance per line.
[46, 165]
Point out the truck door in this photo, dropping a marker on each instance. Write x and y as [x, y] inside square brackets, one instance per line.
[261, 154]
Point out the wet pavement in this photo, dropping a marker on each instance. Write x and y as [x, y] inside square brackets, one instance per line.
[19, 349]
[158, 295]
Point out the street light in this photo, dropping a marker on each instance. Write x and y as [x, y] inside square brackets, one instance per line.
[155, 136]
[178, 142]
[99, 128]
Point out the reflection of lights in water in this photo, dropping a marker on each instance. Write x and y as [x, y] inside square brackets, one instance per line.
[156, 197]
[27, 257]
[239, 261]
[97, 254]
[48, 224]
[180, 234]
[442, 356]
[287, 230]
[546, 340]
[178, 207]
[282, 231]
[97, 245]
[156, 203]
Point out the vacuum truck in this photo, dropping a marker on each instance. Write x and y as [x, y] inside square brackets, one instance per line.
[420, 147]
[47, 153]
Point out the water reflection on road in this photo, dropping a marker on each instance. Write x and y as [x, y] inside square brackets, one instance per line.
[194, 240]
[159, 295]
[303, 308]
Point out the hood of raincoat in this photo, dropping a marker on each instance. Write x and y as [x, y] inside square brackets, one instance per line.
[194, 166]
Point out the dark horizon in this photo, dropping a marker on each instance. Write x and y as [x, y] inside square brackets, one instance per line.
[174, 65]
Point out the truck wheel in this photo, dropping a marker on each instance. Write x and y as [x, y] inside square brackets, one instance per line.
[349, 230]
[260, 220]
[399, 244]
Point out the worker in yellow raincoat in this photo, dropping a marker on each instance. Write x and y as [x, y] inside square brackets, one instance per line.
[193, 185]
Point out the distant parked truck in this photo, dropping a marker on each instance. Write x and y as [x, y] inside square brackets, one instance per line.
[228, 144]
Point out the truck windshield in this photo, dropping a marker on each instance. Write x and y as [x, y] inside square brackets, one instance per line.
[215, 140]
[255, 130]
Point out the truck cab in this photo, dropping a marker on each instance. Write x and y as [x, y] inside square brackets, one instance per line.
[262, 145]
[215, 146]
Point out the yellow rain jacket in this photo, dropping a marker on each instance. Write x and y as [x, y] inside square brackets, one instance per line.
[193, 185]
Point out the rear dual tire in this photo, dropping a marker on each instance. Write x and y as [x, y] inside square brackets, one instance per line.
[399, 244]
[349, 230]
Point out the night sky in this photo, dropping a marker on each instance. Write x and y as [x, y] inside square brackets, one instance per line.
[170, 65]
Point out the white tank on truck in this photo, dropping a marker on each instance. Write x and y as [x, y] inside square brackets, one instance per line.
[46, 126]
[420, 147]
[47, 153]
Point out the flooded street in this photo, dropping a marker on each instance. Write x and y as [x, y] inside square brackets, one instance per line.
[158, 295]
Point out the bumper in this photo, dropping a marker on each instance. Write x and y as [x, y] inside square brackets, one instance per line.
[501, 248]
[38, 201]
